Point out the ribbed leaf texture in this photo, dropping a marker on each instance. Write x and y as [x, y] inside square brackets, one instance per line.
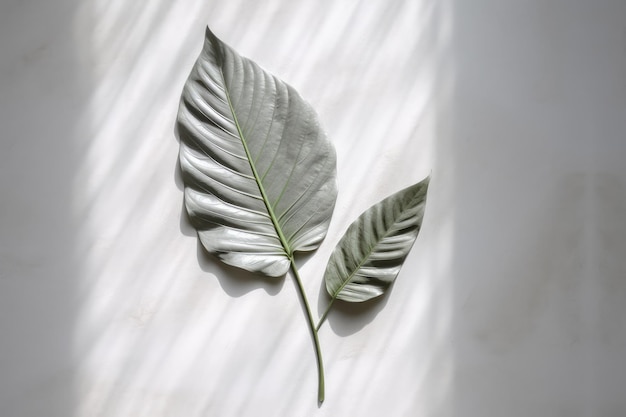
[258, 170]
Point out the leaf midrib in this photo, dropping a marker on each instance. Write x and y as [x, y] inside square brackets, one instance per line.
[257, 178]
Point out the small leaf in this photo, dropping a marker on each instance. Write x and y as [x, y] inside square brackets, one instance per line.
[370, 254]
[258, 170]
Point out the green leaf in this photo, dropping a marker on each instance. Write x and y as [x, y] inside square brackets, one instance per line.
[369, 256]
[258, 170]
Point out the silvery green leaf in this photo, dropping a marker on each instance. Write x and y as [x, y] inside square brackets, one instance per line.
[258, 170]
[369, 256]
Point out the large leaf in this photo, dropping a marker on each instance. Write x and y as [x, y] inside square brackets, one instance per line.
[369, 256]
[258, 170]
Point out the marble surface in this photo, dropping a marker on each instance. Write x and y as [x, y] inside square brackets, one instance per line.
[510, 303]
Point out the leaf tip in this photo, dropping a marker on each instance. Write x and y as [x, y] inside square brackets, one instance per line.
[213, 42]
[208, 33]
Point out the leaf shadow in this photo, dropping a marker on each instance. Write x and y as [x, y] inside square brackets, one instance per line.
[178, 175]
[303, 257]
[186, 228]
[236, 282]
[346, 318]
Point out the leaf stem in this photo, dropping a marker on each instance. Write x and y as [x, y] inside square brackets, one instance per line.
[318, 350]
[323, 318]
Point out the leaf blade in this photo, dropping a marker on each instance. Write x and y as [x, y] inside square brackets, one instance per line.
[259, 173]
[369, 256]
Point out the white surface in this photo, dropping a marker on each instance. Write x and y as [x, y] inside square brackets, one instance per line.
[511, 303]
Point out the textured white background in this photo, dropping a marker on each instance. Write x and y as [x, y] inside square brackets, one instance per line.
[511, 303]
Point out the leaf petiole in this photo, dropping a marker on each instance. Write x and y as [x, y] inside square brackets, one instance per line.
[323, 318]
[318, 350]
